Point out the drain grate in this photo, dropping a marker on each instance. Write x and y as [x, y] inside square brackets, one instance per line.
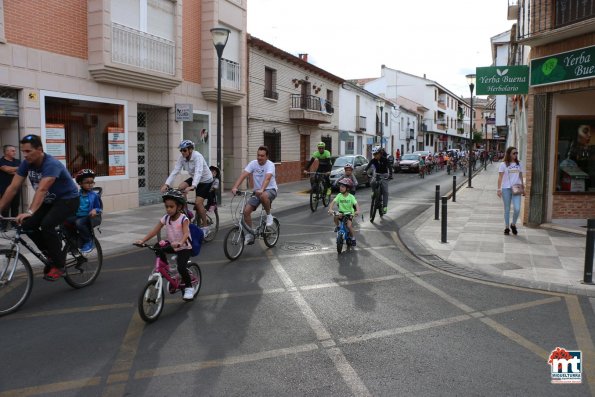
[299, 246]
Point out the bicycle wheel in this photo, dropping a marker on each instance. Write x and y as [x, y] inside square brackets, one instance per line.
[373, 207]
[82, 270]
[196, 276]
[150, 304]
[271, 234]
[212, 223]
[314, 198]
[14, 290]
[339, 243]
[233, 245]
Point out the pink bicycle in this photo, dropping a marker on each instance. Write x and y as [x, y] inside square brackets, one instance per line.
[152, 299]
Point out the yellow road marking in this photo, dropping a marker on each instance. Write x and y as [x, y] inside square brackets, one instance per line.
[521, 340]
[583, 339]
[52, 388]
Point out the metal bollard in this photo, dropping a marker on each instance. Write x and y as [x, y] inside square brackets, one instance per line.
[437, 204]
[444, 203]
[589, 251]
[454, 188]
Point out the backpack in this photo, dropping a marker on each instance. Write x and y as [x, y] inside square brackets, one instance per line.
[196, 237]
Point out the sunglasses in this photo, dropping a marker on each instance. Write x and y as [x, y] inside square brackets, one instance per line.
[183, 150]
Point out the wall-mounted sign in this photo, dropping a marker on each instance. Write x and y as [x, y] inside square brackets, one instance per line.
[502, 80]
[55, 141]
[566, 66]
[183, 112]
[116, 151]
[490, 121]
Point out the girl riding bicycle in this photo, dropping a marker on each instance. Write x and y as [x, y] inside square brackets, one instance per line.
[346, 202]
[178, 232]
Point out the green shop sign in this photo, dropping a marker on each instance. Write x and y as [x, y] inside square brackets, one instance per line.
[502, 80]
[563, 67]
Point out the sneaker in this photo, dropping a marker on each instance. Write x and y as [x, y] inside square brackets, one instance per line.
[248, 240]
[507, 231]
[514, 231]
[336, 229]
[269, 220]
[87, 247]
[188, 294]
[54, 274]
[205, 230]
[385, 210]
[328, 191]
[353, 244]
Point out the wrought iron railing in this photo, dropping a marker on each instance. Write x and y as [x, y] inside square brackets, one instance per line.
[360, 122]
[311, 102]
[541, 16]
[271, 94]
[230, 74]
[142, 50]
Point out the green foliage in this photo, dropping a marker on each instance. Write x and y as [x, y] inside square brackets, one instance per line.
[477, 137]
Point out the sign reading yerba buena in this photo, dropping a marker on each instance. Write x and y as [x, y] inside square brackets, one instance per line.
[566, 66]
[502, 80]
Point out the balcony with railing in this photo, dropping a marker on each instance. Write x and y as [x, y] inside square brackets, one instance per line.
[230, 75]
[142, 50]
[360, 123]
[311, 109]
[542, 22]
[271, 94]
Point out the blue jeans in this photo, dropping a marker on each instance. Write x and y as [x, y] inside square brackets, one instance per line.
[507, 198]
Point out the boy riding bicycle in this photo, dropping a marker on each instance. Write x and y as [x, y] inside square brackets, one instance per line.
[346, 202]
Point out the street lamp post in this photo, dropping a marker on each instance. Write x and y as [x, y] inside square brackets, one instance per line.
[220, 36]
[471, 81]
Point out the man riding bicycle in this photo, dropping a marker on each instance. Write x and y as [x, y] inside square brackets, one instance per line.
[265, 188]
[324, 166]
[200, 179]
[56, 199]
[382, 167]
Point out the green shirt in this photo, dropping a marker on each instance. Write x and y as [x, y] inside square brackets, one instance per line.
[346, 203]
[324, 160]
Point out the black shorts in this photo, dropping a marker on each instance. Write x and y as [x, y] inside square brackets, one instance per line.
[203, 189]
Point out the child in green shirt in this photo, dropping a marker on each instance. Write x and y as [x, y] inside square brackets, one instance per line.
[346, 202]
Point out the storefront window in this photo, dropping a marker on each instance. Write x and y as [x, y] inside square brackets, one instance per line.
[576, 155]
[349, 146]
[86, 134]
[198, 132]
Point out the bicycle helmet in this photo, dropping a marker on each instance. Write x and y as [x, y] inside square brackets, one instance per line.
[348, 165]
[185, 144]
[176, 195]
[375, 149]
[348, 183]
[82, 174]
[321, 145]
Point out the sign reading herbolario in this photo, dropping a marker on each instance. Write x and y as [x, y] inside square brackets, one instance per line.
[566, 66]
[502, 80]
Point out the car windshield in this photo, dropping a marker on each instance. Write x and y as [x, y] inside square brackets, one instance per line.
[410, 157]
[341, 161]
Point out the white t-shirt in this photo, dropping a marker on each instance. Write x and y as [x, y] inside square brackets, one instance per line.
[196, 166]
[260, 171]
[511, 174]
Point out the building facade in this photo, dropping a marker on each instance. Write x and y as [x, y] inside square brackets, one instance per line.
[103, 82]
[560, 162]
[293, 106]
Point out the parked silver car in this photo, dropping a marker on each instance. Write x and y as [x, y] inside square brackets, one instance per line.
[359, 163]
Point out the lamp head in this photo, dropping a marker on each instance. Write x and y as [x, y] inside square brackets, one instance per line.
[220, 36]
[471, 81]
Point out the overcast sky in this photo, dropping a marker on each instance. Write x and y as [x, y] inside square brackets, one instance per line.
[352, 39]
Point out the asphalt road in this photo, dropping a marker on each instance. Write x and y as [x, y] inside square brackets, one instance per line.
[299, 319]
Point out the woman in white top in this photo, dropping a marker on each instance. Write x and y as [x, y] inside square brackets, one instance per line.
[510, 172]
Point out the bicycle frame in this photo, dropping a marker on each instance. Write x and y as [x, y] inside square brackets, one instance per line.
[259, 230]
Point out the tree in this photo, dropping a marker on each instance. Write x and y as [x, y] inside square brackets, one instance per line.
[477, 137]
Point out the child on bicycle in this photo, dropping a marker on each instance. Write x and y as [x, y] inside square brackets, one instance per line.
[89, 212]
[346, 202]
[212, 196]
[178, 232]
[348, 173]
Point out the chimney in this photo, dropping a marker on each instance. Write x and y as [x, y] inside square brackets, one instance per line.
[303, 57]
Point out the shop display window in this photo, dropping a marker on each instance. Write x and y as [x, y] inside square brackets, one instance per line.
[575, 162]
[86, 134]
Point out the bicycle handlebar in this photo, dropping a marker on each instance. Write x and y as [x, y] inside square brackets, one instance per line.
[317, 173]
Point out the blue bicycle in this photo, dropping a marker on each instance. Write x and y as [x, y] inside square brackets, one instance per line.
[343, 231]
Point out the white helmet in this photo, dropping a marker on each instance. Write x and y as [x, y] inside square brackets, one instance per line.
[375, 149]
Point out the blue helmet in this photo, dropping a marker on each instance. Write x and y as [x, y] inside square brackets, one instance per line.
[185, 144]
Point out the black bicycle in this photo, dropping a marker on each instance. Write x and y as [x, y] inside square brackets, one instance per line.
[376, 204]
[16, 274]
[319, 190]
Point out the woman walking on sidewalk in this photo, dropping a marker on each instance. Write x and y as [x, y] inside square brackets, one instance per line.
[510, 174]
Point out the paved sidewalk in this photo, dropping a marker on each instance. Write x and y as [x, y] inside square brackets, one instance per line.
[538, 258]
